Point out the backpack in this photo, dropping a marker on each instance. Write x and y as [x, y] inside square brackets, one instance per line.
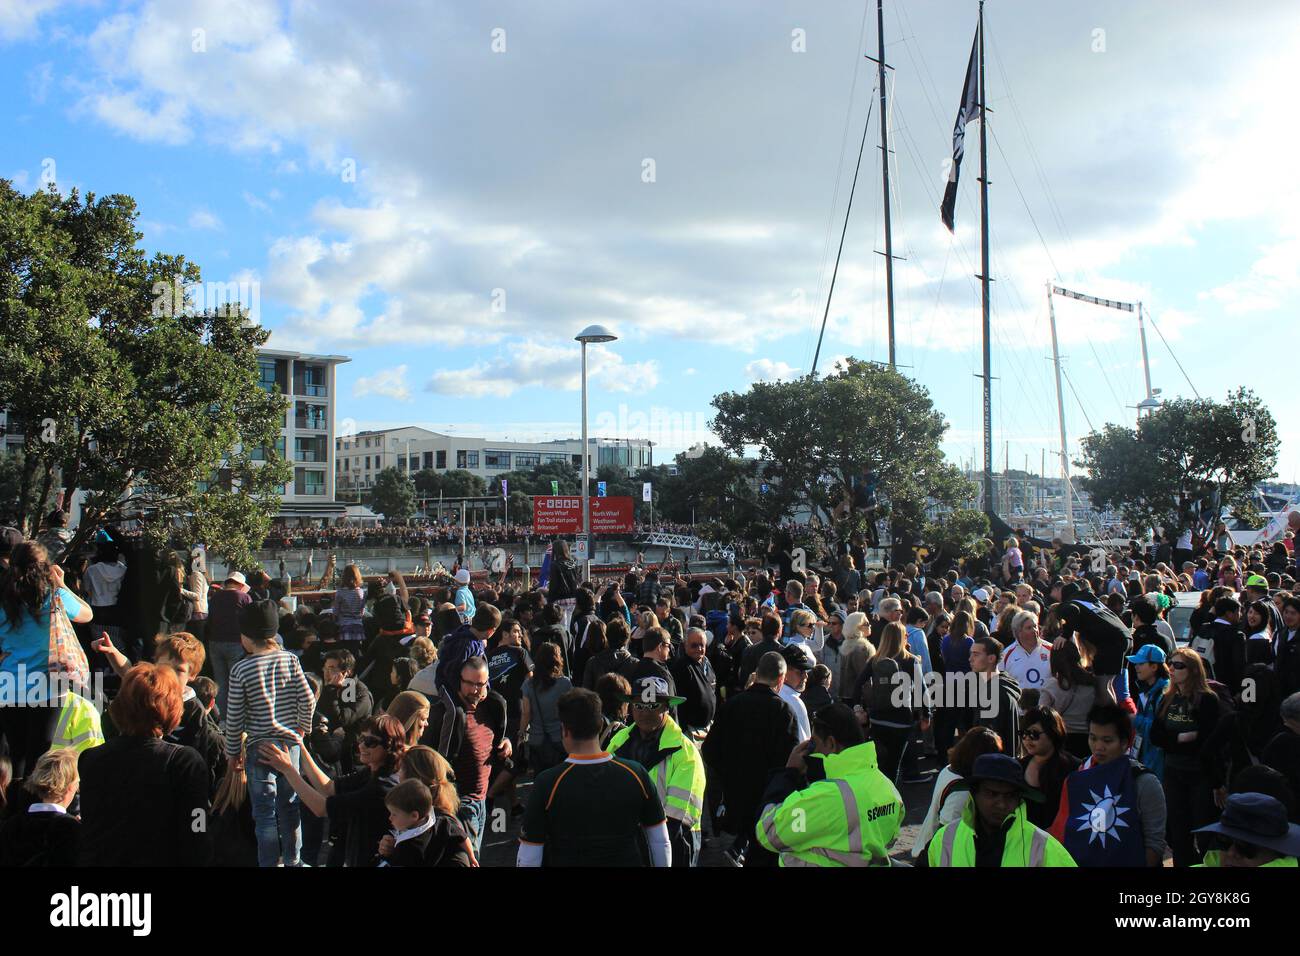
[716, 622]
[1203, 644]
[648, 592]
[880, 690]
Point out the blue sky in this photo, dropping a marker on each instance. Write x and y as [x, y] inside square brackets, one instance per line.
[500, 199]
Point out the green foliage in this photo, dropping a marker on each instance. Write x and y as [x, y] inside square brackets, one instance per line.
[456, 483]
[957, 534]
[134, 399]
[11, 473]
[393, 495]
[1183, 453]
[816, 436]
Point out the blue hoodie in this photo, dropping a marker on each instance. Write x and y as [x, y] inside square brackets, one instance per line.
[456, 648]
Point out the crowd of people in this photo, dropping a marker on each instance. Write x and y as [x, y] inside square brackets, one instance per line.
[1046, 704]
[347, 535]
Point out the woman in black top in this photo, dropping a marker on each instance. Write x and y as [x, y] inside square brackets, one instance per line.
[355, 801]
[140, 795]
[563, 582]
[1184, 722]
[1046, 762]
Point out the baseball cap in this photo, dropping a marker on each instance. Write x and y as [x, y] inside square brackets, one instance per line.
[1257, 581]
[798, 657]
[980, 595]
[462, 576]
[1147, 654]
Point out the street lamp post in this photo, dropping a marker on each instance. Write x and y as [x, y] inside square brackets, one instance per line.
[591, 334]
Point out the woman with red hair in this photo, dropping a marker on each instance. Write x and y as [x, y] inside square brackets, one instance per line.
[142, 798]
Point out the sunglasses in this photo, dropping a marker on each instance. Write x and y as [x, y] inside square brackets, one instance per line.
[1178, 665]
[1246, 851]
[1030, 734]
[646, 706]
[370, 741]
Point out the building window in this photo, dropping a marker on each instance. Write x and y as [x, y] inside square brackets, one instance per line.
[313, 381]
[266, 374]
[527, 459]
[309, 449]
[308, 482]
[556, 459]
[428, 460]
[345, 464]
[308, 415]
[467, 459]
[496, 460]
[442, 460]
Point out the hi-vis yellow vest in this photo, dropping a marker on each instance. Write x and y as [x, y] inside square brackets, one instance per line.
[679, 778]
[1026, 844]
[79, 726]
[1215, 858]
[848, 819]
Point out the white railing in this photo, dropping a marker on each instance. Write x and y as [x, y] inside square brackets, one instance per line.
[687, 542]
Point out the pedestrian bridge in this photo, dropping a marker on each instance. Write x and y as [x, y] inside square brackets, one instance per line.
[686, 542]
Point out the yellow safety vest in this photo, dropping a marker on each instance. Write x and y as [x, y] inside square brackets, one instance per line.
[1026, 844]
[679, 777]
[1215, 858]
[79, 726]
[848, 819]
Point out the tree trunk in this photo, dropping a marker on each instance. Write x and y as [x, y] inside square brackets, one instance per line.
[24, 491]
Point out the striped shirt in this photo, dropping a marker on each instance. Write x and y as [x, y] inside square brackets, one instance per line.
[269, 698]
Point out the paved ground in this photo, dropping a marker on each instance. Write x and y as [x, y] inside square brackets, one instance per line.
[499, 848]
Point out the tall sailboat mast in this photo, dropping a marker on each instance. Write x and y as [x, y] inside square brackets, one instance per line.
[990, 501]
[884, 166]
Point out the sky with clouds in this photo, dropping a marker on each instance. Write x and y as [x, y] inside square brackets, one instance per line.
[449, 192]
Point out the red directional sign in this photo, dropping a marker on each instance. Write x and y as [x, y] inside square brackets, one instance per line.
[562, 514]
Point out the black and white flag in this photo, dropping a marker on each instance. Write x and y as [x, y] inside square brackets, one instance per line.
[968, 112]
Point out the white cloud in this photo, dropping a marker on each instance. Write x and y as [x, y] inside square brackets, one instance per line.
[18, 17]
[255, 203]
[556, 367]
[390, 382]
[1272, 281]
[766, 370]
[204, 219]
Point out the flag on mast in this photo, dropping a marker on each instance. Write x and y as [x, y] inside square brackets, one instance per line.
[968, 112]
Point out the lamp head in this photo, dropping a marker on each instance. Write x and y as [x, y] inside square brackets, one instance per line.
[595, 333]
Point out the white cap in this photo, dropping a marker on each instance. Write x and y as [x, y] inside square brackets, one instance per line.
[237, 577]
[980, 595]
[462, 576]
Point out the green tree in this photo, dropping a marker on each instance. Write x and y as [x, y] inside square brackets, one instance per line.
[456, 483]
[128, 391]
[955, 534]
[1184, 455]
[11, 476]
[817, 437]
[393, 496]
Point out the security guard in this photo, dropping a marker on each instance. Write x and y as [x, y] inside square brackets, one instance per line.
[831, 805]
[79, 727]
[993, 829]
[655, 741]
[1253, 831]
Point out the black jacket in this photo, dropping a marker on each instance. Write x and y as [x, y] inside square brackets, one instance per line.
[197, 729]
[752, 735]
[138, 801]
[696, 682]
[446, 730]
[563, 583]
[1229, 643]
[345, 707]
[442, 845]
[40, 839]
[602, 664]
[753, 653]
[1004, 716]
[1288, 662]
